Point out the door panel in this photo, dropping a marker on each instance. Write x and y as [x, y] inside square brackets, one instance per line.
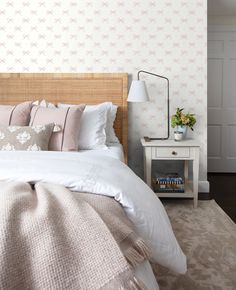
[215, 82]
[231, 152]
[214, 147]
[232, 48]
[222, 101]
[215, 46]
[232, 84]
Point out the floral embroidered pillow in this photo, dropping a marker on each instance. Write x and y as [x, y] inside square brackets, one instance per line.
[27, 138]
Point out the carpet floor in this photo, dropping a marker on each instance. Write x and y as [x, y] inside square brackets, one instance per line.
[208, 238]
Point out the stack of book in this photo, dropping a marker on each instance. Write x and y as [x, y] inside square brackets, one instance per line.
[171, 182]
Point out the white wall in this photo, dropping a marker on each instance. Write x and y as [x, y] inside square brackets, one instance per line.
[162, 36]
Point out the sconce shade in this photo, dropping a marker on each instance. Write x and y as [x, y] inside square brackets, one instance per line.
[138, 92]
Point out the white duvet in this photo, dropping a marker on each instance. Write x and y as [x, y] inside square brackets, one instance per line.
[106, 176]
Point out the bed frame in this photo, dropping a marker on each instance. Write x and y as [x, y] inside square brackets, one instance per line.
[72, 88]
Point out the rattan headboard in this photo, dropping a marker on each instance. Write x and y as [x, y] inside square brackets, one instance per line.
[73, 89]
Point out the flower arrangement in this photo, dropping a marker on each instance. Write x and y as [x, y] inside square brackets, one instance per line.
[181, 119]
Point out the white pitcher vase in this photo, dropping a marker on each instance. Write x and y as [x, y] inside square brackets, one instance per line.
[182, 129]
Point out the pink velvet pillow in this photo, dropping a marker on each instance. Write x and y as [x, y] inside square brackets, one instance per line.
[18, 115]
[66, 119]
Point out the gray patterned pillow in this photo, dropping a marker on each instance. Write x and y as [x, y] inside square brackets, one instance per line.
[27, 138]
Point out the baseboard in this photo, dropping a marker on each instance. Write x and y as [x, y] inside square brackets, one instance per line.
[203, 186]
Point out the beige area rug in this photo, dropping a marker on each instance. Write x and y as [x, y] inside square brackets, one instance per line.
[208, 238]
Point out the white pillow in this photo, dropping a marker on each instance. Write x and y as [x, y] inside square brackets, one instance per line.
[92, 133]
[44, 104]
[111, 116]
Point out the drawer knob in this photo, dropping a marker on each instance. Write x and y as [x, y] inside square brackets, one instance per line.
[174, 153]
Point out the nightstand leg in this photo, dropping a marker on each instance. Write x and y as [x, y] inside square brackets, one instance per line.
[186, 171]
[195, 176]
[144, 165]
[148, 166]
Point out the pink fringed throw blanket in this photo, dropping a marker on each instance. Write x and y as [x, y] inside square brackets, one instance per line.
[51, 238]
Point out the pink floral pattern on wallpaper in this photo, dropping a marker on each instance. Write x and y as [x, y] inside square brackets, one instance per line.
[163, 36]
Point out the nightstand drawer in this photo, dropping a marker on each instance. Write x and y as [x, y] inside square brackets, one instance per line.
[171, 152]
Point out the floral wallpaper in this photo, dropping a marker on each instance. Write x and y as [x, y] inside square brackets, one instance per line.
[161, 36]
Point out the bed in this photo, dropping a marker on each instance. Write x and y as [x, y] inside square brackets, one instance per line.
[94, 171]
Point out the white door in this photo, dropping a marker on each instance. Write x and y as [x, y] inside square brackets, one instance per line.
[222, 99]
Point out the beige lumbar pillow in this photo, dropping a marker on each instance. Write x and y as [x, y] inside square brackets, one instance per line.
[27, 138]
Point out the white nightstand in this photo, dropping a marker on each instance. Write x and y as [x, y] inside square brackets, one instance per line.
[173, 150]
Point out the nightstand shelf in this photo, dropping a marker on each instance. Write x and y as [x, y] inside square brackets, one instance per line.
[188, 193]
[187, 150]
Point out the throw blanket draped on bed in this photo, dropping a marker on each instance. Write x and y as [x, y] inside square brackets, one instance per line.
[51, 238]
[105, 176]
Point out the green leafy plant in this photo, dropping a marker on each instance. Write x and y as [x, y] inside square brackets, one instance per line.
[182, 119]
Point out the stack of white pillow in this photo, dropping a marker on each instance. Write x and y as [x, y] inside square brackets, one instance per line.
[96, 128]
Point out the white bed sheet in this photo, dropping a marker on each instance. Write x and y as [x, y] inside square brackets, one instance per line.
[145, 274]
[114, 150]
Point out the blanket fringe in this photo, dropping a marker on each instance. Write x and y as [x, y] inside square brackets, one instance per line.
[133, 284]
[136, 284]
[137, 253]
[125, 281]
